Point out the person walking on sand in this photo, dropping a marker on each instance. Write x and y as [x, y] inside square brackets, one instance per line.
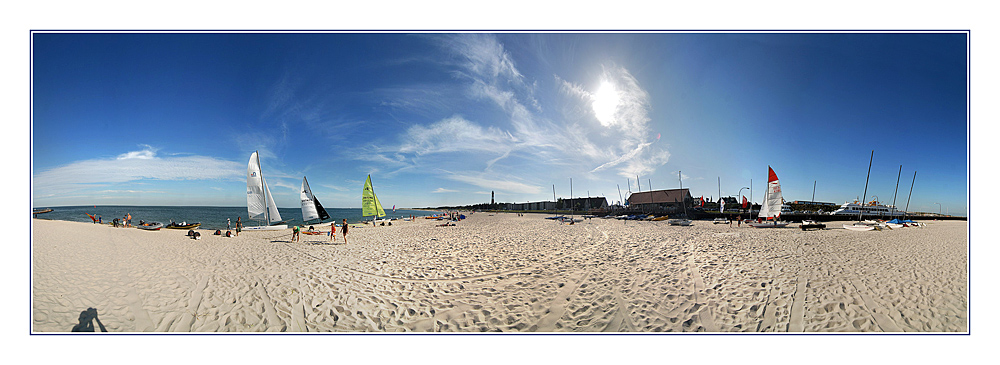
[343, 230]
[333, 230]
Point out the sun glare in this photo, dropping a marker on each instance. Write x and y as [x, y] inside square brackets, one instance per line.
[605, 103]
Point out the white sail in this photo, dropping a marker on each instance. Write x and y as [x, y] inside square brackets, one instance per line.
[272, 209]
[772, 198]
[255, 189]
[260, 204]
[308, 205]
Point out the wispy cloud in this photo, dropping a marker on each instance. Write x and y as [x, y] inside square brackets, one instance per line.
[443, 190]
[133, 167]
[492, 181]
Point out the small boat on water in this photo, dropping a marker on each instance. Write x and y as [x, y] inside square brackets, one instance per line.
[811, 224]
[40, 211]
[150, 226]
[182, 225]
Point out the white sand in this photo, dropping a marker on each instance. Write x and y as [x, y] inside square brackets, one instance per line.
[505, 273]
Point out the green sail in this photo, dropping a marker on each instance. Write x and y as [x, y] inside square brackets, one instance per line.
[369, 202]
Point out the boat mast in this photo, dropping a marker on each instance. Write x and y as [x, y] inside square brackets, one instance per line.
[906, 210]
[683, 203]
[263, 188]
[893, 213]
[865, 196]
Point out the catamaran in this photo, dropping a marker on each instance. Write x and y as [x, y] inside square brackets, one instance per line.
[771, 209]
[311, 208]
[370, 206]
[260, 205]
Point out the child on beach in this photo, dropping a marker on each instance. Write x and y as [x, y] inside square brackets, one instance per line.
[295, 233]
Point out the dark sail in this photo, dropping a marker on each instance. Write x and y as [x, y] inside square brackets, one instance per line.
[323, 215]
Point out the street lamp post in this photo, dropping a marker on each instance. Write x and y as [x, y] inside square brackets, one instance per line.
[939, 208]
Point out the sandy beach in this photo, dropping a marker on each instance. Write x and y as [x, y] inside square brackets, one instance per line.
[505, 273]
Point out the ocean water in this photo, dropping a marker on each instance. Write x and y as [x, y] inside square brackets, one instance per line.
[210, 217]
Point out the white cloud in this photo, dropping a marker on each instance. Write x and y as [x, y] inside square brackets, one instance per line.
[443, 190]
[132, 167]
[495, 183]
[454, 134]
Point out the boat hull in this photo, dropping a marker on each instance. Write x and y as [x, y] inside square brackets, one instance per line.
[858, 228]
[769, 225]
[266, 228]
[806, 227]
[679, 222]
[153, 226]
[186, 226]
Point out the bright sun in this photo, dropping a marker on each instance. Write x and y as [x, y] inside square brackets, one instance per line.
[605, 103]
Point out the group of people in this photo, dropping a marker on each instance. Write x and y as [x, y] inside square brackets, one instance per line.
[125, 221]
[333, 230]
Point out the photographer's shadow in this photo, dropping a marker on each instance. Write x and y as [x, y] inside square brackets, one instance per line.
[87, 319]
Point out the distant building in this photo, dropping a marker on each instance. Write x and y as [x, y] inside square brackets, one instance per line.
[587, 203]
[660, 200]
[581, 204]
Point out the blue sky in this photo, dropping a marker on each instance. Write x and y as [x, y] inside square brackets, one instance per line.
[444, 119]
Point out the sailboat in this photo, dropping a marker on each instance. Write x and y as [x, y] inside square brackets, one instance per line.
[311, 208]
[772, 203]
[370, 206]
[260, 204]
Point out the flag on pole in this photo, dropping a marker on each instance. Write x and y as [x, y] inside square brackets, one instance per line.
[744, 202]
[702, 201]
[722, 205]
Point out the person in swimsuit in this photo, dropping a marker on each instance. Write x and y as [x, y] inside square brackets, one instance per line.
[343, 230]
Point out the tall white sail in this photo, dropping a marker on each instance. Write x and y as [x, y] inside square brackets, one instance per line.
[272, 209]
[260, 204]
[772, 198]
[255, 189]
[308, 205]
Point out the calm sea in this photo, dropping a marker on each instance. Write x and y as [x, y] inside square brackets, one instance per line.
[210, 217]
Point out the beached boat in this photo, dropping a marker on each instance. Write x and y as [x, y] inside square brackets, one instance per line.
[679, 222]
[811, 224]
[260, 205]
[720, 221]
[182, 225]
[311, 208]
[150, 226]
[661, 218]
[771, 210]
[860, 227]
[370, 206]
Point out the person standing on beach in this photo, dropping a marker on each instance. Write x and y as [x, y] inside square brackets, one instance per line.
[99, 220]
[228, 224]
[343, 230]
[239, 225]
